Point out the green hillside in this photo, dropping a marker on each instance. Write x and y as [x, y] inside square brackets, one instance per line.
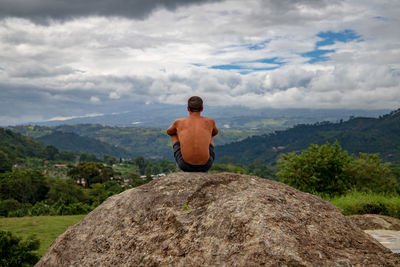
[368, 135]
[82, 144]
[19, 147]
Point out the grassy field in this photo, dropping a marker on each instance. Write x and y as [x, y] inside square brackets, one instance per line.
[46, 228]
[364, 203]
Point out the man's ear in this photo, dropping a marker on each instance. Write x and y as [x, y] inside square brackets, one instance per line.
[188, 109]
[201, 109]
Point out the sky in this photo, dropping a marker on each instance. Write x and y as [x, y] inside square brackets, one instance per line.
[70, 58]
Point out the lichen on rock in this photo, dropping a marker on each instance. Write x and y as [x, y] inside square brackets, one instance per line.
[216, 219]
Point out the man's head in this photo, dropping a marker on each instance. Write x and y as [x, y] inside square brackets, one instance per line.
[195, 104]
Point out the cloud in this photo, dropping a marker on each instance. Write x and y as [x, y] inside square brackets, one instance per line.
[95, 100]
[45, 10]
[114, 95]
[282, 54]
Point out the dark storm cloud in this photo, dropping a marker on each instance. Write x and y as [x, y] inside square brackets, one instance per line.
[40, 10]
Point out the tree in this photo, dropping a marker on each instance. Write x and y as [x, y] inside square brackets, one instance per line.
[133, 179]
[28, 186]
[330, 170]
[88, 158]
[369, 173]
[51, 152]
[66, 156]
[140, 163]
[91, 172]
[98, 193]
[110, 160]
[106, 172]
[317, 169]
[16, 252]
[8, 205]
[65, 192]
[5, 162]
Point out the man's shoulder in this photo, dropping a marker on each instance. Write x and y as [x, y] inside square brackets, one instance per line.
[209, 119]
[179, 121]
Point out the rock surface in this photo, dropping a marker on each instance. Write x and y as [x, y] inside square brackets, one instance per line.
[384, 229]
[388, 238]
[374, 221]
[225, 219]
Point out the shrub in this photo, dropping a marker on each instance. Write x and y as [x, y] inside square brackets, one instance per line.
[28, 186]
[16, 252]
[8, 205]
[317, 169]
[80, 208]
[23, 209]
[40, 208]
[329, 170]
[369, 173]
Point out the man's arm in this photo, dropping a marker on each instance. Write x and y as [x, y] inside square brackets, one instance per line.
[172, 129]
[215, 129]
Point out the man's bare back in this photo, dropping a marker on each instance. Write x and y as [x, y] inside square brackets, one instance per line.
[192, 138]
[195, 135]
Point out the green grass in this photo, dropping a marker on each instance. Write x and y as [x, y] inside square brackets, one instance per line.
[364, 203]
[125, 168]
[46, 228]
[266, 122]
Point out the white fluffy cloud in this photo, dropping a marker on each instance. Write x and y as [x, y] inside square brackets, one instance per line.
[252, 53]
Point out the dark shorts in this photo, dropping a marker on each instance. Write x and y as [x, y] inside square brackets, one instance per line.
[186, 167]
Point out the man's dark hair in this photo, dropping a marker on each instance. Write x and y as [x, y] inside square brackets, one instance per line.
[195, 104]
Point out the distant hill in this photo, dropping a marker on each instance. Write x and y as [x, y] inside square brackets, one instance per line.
[122, 141]
[82, 144]
[369, 135]
[18, 146]
[234, 117]
[355, 135]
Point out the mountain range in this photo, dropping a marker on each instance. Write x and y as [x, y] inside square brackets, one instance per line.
[236, 117]
[358, 134]
[125, 142]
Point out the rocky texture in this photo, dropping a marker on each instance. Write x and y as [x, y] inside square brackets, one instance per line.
[200, 219]
[388, 238]
[374, 221]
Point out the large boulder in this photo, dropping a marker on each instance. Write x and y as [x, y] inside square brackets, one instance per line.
[224, 219]
[375, 221]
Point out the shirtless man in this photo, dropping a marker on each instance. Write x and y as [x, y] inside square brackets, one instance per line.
[192, 139]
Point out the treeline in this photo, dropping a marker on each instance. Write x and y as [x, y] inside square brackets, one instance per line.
[28, 192]
[16, 148]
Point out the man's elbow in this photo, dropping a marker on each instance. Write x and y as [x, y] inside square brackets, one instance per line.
[171, 132]
[215, 132]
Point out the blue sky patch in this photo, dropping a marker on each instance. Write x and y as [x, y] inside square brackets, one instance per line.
[246, 68]
[227, 67]
[317, 55]
[330, 38]
[273, 60]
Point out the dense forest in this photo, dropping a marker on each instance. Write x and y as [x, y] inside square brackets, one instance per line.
[367, 135]
[82, 144]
